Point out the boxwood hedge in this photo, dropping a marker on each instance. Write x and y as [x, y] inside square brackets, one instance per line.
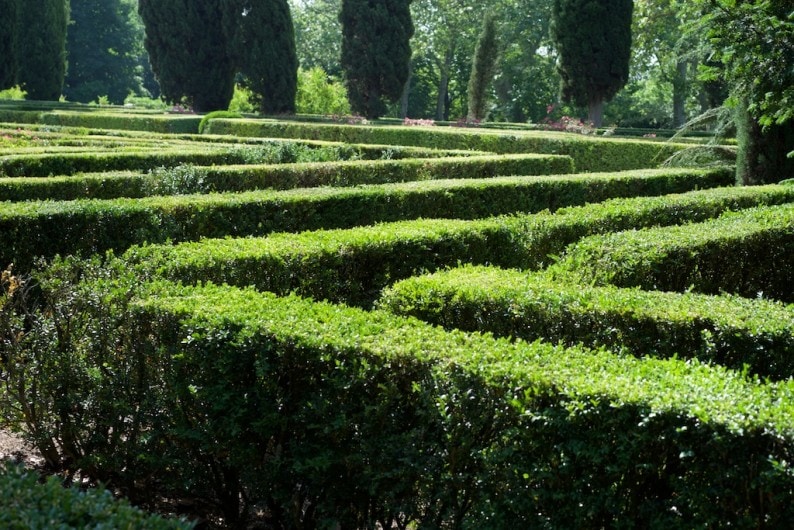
[91, 226]
[366, 417]
[736, 332]
[589, 153]
[353, 265]
[750, 253]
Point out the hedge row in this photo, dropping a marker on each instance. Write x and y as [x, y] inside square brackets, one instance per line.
[172, 153]
[92, 226]
[495, 195]
[354, 265]
[588, 153]
[749, 253]
[326, 413]
[96, 119]
[53, 137]
[27, 504]
[261, 176]
[731, 331]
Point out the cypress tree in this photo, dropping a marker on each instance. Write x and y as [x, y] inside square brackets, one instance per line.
[483, 69]
[188, 51]
[7, 38]
[40, 47]
[376, 52]
[262, 42]
[593, 38]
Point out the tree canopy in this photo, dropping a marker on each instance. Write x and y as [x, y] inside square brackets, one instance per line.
[593, 38]
[8, 32]
[483, 69]
[188, 52]
[40, 47]
[104, 47]
[376, 52]
[261, 41]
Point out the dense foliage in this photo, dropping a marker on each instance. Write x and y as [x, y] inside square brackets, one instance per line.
[104, 46]
[594, 42]
[376, 52]
[8, 32]
[40, 47]
[483, 69]
[261, 42]
[189, 53]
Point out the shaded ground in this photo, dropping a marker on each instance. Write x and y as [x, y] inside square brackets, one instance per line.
[13, 448]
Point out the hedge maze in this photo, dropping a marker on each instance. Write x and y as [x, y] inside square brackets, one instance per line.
[344, 326]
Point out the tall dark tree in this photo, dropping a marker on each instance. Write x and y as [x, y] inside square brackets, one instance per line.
[104, 50]
[262, 43]
[40, 48]
[593, 38]
[376, 52]
[188, 51]
[483, 69]
[8, 8]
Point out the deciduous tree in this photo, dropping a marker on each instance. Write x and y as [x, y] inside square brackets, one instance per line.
[104, 47]
[755, 42]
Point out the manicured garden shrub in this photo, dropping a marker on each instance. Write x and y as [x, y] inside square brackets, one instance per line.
[749, 253]
[491, 196]
[26, 503]
[730, 331]
[215, 115]
[353, 265]
[86, 227]
[588, 153]
[175, 123]
[364, 417]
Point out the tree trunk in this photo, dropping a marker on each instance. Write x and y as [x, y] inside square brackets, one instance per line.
[595, 113]
[680, 89]
[406, 92]
[443, 86]
[762, 152]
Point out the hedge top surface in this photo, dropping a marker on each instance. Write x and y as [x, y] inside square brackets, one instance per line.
[710, 394]
[592, 257]
[515, 288]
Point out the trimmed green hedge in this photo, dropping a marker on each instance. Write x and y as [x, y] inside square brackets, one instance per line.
[353, 265]
[588, 153]
[731, 331]
[27, 504]
[367, 417]
[491, 196]
[96, 119]
[87, 227]
[384, 171]
[750, 253]
[44, 165]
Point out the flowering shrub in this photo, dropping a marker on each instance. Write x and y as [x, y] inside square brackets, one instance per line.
[466, 122]
[350, 120]
[565, 123]
[181, 109]
[20, 138]
[418, 122]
